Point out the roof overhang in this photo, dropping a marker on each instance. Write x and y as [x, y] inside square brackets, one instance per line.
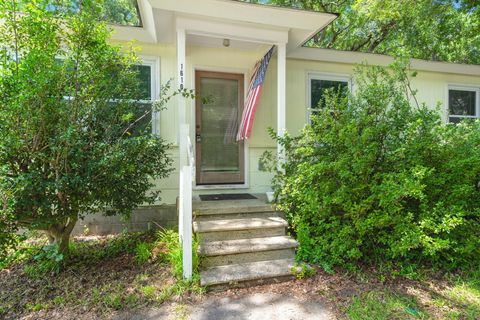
[351, 57]
[225, 18]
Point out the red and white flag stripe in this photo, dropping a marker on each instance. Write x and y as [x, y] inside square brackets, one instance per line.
[254, 90]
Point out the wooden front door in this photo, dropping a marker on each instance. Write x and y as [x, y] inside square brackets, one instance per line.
[219, 105]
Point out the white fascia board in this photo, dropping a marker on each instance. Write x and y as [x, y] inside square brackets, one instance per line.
[219, 29]
[147, 33]
[248, 12]
[350, 57]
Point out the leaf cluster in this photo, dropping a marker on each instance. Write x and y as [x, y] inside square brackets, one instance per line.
[75, 138]
[444, 30]
[379, 177]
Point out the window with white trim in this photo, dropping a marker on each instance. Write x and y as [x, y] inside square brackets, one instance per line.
[148, 121]
[463, 103]
[144, 99]
[319, 84]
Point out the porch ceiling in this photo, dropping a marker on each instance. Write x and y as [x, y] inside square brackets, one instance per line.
[258, 22]
[204, 41]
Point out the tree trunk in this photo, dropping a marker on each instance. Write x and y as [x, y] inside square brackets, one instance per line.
[59, 234]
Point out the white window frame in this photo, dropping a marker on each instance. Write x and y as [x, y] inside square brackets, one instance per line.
[315, 75]
[469, 88]
[154, 64]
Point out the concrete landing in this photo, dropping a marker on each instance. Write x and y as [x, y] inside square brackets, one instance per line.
[260, 307]
[257, 306]
[231, 206]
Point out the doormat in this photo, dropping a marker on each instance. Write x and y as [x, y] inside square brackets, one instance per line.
[225, 196]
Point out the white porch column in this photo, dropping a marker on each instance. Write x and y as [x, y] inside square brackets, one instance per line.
[281, 97]
[181, 100]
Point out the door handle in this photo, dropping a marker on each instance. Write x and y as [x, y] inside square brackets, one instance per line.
[198, 137]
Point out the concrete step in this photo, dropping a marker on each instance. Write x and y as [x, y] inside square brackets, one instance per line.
[219, 253]
[213, 261]
[228, 247]
[247, 215]
[240, 234]
[238, 224]
[201, 208]
[246, 272]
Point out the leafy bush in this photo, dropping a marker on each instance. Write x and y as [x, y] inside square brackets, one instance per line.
[379, 177]
[142, 252]
[75, 140]
[49, 260]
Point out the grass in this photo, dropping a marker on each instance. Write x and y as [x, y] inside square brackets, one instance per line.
[452, 296]
[384, 305]
[101, 276]
[105, 276]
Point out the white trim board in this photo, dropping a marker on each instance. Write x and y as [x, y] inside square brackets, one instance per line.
[349, 57]
[155, 83]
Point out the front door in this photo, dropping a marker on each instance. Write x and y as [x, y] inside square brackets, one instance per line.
[219, 105]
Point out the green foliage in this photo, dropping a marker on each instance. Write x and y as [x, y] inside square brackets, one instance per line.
[378, 177]
[73, 139]
[142, 252]
[48, 261]
[446, 30]
[123, 12]
[375, 305]
[96, 275]
[302, 271]
[113, 301]
[169, 240]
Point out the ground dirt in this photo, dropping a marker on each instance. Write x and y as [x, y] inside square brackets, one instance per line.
[116, 286]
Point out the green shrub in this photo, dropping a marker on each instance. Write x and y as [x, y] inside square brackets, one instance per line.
[49, 260]
[379, 177]
[142, 252]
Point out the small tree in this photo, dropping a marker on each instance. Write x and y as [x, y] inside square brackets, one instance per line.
[74, 139]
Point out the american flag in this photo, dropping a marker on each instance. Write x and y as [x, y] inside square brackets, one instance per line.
[254, 89]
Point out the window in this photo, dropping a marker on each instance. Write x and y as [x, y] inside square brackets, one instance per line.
[146, 75]
[463, 103]
[320, 84]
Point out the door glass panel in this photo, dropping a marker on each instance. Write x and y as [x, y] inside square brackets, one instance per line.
[220, 150]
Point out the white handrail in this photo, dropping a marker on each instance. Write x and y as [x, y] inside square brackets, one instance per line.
[191, 155]
[185, 200]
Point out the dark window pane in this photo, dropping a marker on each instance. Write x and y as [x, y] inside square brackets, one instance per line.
[145, 78]
[141, 121]
[144, 117]
[455, 120]
[462, 102]
[320, 87]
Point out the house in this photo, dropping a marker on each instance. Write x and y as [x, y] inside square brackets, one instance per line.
[212, 46]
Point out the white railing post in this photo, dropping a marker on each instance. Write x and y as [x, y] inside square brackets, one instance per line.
[185, 203]
[187, 224]
[185, 165]
[281, 97]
